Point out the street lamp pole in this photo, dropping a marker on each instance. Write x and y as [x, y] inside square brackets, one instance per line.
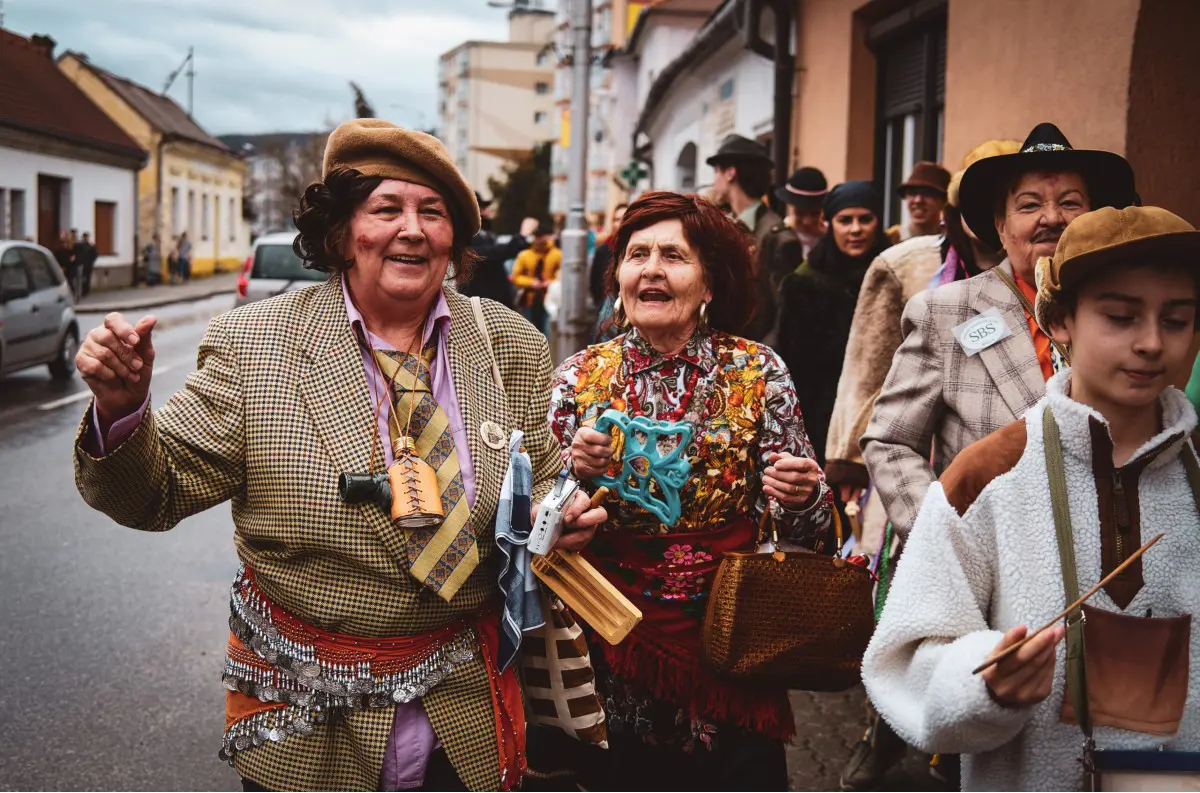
[573, 321]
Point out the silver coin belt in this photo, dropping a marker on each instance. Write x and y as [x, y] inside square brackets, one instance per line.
[309, 687]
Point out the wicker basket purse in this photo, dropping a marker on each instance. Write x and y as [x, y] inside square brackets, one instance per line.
[800, 620]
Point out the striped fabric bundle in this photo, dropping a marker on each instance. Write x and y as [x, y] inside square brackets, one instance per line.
[559, 681]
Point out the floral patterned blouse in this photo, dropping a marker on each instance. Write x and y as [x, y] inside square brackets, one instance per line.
[741, 403]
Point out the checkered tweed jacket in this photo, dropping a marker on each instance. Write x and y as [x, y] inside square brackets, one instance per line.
[938, 399]
[277, 409]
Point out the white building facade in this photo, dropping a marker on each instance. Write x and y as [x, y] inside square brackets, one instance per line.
[39, 192]
[712, 88]
[64, 164]
[682, 80]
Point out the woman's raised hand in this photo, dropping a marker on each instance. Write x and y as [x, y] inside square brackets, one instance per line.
[791, 480]
[591, 452]
[116, 361]
[1025, 677]
[580, 521]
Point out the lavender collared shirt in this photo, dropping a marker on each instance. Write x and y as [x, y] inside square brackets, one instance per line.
[412, 740]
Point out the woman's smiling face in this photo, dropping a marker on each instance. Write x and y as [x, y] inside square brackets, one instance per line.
[662, 282]
[401, 238]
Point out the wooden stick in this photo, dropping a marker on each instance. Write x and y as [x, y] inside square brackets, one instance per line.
[998, 657]
[598, 497]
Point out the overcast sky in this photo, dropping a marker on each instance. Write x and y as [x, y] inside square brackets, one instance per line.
[271, 65]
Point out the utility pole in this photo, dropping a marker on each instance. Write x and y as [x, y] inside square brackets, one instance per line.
[573, 321]
[191, 75]
[190, 62]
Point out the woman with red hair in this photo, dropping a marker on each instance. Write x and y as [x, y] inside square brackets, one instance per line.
[682, 278]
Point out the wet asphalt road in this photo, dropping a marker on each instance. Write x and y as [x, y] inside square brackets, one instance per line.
[113, 639]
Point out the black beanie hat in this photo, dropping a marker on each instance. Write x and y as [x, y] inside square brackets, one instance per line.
[852, 194]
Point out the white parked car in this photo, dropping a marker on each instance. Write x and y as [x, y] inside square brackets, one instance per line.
[273, 268]
[37, 311]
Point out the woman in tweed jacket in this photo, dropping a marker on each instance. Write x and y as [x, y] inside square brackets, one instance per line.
[358, 645]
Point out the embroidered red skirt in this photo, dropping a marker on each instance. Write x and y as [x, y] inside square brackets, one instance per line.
[669, 577]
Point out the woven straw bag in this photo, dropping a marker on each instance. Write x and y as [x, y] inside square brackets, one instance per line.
[799, 620]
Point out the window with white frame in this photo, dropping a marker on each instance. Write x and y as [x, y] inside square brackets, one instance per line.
[191, 213]
[175, 209]
[232, 220]
[205, 218]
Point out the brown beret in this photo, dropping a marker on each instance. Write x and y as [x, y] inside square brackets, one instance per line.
[375, 147]
[1134, 235]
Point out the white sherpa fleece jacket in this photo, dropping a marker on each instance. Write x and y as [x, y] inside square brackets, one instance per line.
[965, 579]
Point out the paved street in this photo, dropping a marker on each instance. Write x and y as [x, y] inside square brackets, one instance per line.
[114, 639]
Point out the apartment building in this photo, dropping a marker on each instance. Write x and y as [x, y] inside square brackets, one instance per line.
[496, 98]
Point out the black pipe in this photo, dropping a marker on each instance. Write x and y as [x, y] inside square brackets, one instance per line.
[785, 75]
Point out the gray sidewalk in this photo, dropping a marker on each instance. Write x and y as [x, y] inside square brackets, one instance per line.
[145, 297]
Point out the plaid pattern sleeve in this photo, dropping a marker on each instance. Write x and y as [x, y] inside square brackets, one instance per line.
[899, 438]
[184, 458]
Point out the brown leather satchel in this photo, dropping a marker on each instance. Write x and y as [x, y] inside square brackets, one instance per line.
[799, 620]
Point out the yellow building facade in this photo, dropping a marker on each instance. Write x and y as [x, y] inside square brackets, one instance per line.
[191, 182]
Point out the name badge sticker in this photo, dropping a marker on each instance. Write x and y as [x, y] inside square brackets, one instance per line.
[982, 331]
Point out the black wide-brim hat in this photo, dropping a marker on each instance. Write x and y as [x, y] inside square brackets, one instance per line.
[1109, 178]
[737, 148]
[806, 188]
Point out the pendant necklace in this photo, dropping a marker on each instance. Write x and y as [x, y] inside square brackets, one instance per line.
[416, 497]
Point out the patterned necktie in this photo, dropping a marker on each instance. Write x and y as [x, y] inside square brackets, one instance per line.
[440, 558]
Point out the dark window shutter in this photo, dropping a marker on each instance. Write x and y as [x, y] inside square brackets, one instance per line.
[903, 73]
[941, 66]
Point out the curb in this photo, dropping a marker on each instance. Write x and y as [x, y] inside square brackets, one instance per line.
[152, 302]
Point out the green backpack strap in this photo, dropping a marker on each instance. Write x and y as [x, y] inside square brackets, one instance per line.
[1076, 661]
[1056, 472]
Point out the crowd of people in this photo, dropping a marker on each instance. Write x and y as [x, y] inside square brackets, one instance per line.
[985, 396]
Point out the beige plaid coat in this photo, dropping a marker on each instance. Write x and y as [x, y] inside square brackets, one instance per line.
[937, 398]
[277, 409]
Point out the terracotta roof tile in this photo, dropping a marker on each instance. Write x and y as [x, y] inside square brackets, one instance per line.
[161, 111]
[36, 95]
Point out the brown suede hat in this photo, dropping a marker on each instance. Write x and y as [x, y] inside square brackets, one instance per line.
[1134, 235]
[928, 175]
[375, 147]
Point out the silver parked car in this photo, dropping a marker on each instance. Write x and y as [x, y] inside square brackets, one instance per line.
[273, 268]
[37, 311]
